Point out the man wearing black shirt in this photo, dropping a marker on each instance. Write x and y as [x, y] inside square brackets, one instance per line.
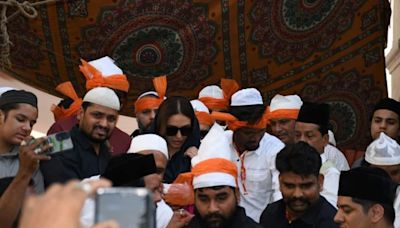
[302, 205]
[91, 153]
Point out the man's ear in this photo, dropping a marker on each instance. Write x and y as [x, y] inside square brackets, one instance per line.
[376, 213]
[79, 114]
[2, 117]
[321, 179]
[325, 139]
[237, 194]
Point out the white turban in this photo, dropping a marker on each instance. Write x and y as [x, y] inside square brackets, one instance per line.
[383, 151]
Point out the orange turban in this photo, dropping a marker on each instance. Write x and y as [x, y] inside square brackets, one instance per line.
[229, 87]
[210, 166]
[94, 78]
[67, 89]
[147, 102]
[233, 123]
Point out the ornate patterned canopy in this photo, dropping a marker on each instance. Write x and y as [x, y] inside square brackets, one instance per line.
[327, 51]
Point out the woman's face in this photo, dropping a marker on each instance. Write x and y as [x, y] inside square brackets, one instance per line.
[178, 129]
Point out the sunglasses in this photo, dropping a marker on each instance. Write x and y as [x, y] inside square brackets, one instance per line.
[173, 130]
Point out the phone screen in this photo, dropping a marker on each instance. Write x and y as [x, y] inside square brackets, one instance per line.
[61, 141]
[130, 207]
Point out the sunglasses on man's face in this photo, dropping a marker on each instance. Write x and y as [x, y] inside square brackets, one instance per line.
[173, 130]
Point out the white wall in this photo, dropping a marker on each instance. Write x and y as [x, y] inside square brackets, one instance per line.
[393, 52]
[45, 100]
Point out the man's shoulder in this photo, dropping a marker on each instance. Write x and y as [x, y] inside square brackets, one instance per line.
[273, 213]
[327, 210]
[274, 207]
[270, 144]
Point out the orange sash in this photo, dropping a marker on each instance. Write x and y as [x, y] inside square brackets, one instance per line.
[204, 118]
[284, 113]
[94, 78]
[67, 89]
[233, 123]
[143, 103]
[229, 87]
[212, 165]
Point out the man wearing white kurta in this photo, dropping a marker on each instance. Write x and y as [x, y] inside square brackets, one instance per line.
[253, 151]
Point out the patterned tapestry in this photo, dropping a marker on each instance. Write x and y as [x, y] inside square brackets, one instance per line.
[326, 51]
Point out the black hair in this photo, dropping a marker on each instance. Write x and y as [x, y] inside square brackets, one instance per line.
[65, 103]
[323, 129]
[85, 105]
[250, 113]
[122, 96]
[8, 107]
[299, 158]
[171, 106]
[389, 213]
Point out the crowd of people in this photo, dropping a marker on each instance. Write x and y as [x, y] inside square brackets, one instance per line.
[224, 160]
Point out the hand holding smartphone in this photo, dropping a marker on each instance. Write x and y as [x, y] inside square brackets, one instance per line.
[60, 141]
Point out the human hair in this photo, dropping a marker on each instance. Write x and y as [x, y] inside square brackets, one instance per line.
[85, 105]
[299, 158]
[171, 106]
[8, 107]
[250, 113]
[323, 129]
[65, 103]
[122, 95]
[389, 213]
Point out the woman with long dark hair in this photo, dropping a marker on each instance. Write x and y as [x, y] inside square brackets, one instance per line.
[177, 124]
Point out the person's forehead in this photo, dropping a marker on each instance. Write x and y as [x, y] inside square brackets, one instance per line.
[296, 178]
[213, 191]
[26, 110]
[385, 113]
[147, 110]
[102, 109]
[282, 119]
[345, 201]
[179, 119]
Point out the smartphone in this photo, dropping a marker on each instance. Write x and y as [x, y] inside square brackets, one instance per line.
[130, 207]
[61, 141]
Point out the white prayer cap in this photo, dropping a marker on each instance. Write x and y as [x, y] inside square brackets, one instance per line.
[199, 106]
[106, 66]
[383, 151]
[280, 102]
[332, 139]
[249, 96]
[214, 145]
[148, 142]
[5, 89]
[103, 96]
[212, 91]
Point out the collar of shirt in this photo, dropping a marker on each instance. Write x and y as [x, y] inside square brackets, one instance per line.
[310, 216]
[229, 135]
[13, 153]
[84, 141]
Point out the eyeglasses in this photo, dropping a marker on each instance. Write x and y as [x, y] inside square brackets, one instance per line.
[203, 133]
[173, 130]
